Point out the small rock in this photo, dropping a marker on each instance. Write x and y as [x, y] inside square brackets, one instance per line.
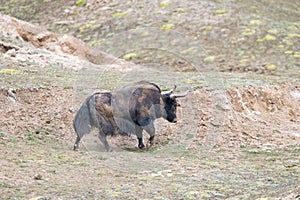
[11, 52]
[40, 198]
[38, 177]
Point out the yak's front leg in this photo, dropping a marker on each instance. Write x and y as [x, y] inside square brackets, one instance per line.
[139, 135]
[150, 129]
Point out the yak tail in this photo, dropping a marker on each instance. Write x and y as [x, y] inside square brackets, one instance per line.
[85, 117]
[93, 113]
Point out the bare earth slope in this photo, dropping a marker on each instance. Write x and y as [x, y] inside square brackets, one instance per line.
[252, 140]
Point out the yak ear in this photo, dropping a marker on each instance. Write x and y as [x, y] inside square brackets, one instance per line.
[170, 91]
[179, 95]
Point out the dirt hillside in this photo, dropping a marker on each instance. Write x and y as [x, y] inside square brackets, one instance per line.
[269, 116]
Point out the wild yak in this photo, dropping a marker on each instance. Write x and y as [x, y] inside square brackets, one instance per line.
[129, 110]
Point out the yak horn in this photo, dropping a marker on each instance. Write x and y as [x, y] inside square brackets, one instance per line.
[170, 91]
[179, 95]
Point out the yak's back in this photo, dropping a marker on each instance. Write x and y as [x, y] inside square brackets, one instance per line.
[139, 85]
[139, 91]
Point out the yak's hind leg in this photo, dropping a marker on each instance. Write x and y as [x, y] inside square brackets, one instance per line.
[81, 124]
[78, 138]
[150, 129]
[76, 145]
[102, 137]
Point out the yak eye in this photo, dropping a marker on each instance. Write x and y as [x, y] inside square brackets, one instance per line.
[178, 104]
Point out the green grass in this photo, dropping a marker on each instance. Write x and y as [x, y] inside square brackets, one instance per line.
[13, 139]
[2, 135]
[32, 138]
[265, 153]
[189, 136]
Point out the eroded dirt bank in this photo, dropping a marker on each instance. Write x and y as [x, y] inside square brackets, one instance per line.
[266, 115]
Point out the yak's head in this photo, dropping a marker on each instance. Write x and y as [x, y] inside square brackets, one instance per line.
[170, 104]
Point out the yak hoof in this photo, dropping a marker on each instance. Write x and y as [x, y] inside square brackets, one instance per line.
[149, 145]
[76, 148]
[141, 146]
